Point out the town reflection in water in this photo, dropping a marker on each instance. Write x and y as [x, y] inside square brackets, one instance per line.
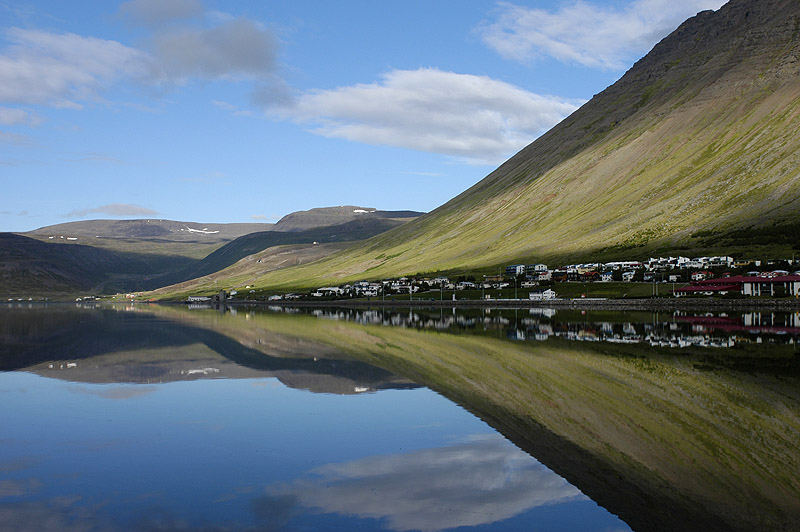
[162, 417]
[657, 329]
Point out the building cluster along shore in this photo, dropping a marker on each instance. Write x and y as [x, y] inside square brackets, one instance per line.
[700, 276]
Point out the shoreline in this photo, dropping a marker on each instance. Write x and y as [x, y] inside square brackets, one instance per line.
[578, 303]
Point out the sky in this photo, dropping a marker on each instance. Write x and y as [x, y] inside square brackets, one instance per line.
[236, 111]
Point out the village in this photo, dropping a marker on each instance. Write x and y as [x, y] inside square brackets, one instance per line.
[684, 277]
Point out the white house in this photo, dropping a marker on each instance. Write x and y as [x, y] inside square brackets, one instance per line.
[542, 296]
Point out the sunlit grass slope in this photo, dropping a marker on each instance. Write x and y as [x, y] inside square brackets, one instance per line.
[694, 150]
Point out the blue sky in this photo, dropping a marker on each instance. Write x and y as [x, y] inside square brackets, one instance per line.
[245, 111]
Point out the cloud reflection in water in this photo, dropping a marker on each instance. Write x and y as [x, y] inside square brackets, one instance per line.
[482, 481]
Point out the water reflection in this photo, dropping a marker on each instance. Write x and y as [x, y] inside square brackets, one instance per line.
[658, 329]
[123, 345]
[660, 434]
[161, 419]
[483, 481]
[671, 421]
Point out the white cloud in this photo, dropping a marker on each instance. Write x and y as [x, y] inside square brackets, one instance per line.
[18, 488]
[472, 484]
[66, 70]
[235, 49]
[62, 69]
[226, 106]
[586, 33]
[10, 116]
[155, 12]
[15, 138]
[471, 117]
[114, 209]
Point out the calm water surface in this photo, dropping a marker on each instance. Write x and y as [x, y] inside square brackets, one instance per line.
[162, 418]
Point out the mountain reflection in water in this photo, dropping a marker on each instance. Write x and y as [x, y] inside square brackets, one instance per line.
[671, 421]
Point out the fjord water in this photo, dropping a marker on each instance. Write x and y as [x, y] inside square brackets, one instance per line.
[154, 417]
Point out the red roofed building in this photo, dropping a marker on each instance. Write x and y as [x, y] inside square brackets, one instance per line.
[782, 285]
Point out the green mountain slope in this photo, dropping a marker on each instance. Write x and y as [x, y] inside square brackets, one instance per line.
[151, 236]
[693, 150]
[29, 267]
[327, 216]
[232, 252]
[107, 256]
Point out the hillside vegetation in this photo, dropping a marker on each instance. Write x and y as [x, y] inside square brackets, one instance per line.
[694, 150]
[31, 268]
[107, 256]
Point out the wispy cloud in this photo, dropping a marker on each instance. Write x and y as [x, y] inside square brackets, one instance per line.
[236, 111]
[62, 70]
[68, 70]
[114, 209]
[95, 157]
[17, 488]
[10, 116]
[157, 12]
[474, 118]
[15, 138]
[235, 49]
[586, 33]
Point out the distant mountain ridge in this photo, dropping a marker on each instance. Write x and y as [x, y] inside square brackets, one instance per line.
[235, 250]
[328, 216]
[106, 256]
[694, 150]
[147, 228]
[31, 267]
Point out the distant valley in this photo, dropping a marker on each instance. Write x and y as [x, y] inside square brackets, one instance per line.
[108, 256]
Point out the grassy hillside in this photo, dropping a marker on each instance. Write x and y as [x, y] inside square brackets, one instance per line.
[250, 269]
[30, 268]
[107, 256]
[694, 150]
[197, 240]
[232, 252]
[658, 437]
[325, 216]
[155, 237]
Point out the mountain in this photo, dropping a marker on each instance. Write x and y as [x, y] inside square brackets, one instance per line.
[107, 346]
[327, 216]
[357, 229]
[32, 268]
[107, 256]
[693, 150]
[159, 237]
